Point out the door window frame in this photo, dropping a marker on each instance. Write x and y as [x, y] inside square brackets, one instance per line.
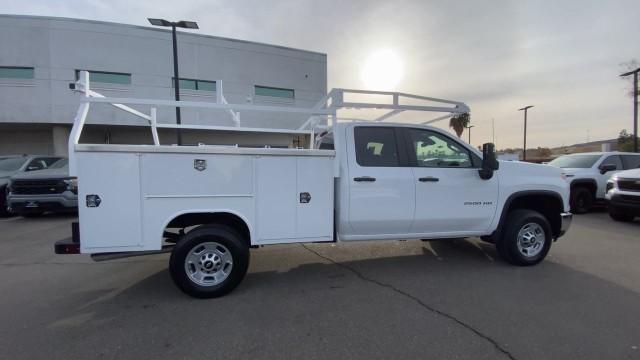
[475, 160]
[401, 149]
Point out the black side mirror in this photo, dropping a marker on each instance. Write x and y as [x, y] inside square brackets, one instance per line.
[489, 161]
[607, 167]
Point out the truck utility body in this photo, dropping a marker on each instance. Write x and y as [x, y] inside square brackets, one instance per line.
[357, 180]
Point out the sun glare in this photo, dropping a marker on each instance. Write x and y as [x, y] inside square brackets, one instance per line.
[382, 70]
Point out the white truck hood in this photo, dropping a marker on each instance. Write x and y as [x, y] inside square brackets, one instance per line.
[629, 174]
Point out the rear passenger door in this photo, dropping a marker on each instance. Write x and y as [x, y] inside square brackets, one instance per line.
[630, 162]
[381, 189]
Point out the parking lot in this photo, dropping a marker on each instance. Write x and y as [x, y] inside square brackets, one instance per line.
[442, 299]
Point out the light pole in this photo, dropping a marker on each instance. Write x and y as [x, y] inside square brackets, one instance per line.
[176, 78]
[635, 106]
[524, 150]
[469, 128]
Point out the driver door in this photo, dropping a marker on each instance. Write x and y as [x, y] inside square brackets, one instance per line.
[451, 198]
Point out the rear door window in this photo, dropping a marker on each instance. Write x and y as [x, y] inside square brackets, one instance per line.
[376, 146]
[631, 161]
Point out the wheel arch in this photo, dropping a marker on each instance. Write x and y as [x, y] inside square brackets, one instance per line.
[194, 217]
[548, 203]
[590, 184]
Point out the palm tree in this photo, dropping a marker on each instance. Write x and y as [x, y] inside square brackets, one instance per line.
[459, 122]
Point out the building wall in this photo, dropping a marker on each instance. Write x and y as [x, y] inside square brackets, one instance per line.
[57, 47]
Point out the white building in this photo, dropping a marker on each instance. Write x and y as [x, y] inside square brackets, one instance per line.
[41, 56]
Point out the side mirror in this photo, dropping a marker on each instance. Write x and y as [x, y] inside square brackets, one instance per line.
[489, 161]
[607, 167]
[32, 168]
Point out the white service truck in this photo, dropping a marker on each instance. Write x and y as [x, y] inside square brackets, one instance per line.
[208, 205]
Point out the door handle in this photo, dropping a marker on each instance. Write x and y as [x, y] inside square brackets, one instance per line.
[364, 178]
[429, 179]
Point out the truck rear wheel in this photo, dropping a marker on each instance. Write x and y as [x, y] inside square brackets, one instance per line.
[526, 238]
[209, 261]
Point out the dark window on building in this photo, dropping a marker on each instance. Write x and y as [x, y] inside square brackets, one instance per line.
[631, 161]
[274, 92]
[376, 146]
[195, 84]
[16, 72]
[106, 77]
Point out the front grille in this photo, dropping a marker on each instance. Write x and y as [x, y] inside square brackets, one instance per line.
[38, 187]
[630, 199]
[629, 184]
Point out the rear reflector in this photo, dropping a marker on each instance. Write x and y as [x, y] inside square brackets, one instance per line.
[67, 246]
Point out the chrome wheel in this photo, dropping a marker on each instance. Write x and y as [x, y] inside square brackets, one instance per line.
[531, 239]
[208, 263]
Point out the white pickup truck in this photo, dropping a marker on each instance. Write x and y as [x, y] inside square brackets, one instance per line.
[358, 181]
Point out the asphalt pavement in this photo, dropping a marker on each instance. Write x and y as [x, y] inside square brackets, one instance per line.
[448, 299]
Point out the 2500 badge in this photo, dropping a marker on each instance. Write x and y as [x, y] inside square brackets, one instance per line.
[478, 203]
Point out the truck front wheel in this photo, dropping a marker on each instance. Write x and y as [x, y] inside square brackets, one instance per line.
[209, 261]
[526, 238]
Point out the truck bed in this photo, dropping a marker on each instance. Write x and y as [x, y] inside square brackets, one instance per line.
[284, 195]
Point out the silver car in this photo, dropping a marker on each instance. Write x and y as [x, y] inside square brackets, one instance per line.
[36, 192]
[17, 164]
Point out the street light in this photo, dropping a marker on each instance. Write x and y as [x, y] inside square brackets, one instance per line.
[524, 150]
[635, 106]
[469, 128]
[176, 77]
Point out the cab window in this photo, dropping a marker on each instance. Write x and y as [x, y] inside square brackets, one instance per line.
[631, 161]
[436, 150]
[613, 160]
[376, 146]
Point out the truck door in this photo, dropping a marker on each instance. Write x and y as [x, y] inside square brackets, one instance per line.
[381, 189]
[450, 196]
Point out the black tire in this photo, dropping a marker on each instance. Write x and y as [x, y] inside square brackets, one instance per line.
[528, 221]
[3, 202]
[618, 216]
[32, 214]
[581, 200]
[209, 234]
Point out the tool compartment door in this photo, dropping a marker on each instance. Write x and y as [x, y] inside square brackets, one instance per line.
[115, 223]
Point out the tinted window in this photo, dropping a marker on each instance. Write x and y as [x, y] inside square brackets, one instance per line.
[376, 146]
[274, 92]
[615, 160]
[11, 164]
[326, 142]
[107, 77]
[631, 161]
[579, 161]
[437, 150]
[16, 72]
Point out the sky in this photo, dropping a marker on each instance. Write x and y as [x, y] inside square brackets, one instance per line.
[563, 56]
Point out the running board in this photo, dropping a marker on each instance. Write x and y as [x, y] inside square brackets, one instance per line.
[98, 257]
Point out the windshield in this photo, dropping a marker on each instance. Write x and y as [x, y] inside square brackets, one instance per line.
[11, 164]
[575, 161]
[59, 164]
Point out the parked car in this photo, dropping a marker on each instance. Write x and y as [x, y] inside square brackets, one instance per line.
[52, 189]
[588, 174]
[623, 195]
[16, 164]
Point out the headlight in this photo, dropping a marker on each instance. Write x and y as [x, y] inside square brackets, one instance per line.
[72, 185]
[610, 186]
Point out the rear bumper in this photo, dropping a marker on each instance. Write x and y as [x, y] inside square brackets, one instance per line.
[72, 245]
[565, 222]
